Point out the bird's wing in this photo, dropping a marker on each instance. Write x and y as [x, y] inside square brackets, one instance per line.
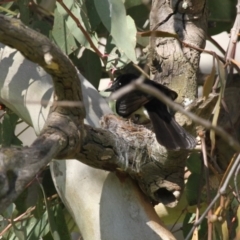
[168, 132]
[131, 102]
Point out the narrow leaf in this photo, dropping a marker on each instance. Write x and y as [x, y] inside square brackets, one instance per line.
[57, 223]
[132, 3]
[158, 34]
[235, 62]
[113, 16]
[52, 225]
[87, 69]
[222, 78]
[20, 232]
[61, 34]
[207, 87]
[79, 11]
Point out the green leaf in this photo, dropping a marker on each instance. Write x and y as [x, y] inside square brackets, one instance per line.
[188, 224]
[208, 84]
[19, 232]
[90, 66]
[9, 211]
[121, 27]
[30, 228]
[61, 222]
[192, 188]
[194, 163]
[132, 3]
[39, 210]
[5, 8]
[38, 228]
[61, 34]
[140, 15]
[71, 225]
[79, 11]
[7, 130]
[222, 78]
[222, 13]
[28, 198]
[41, 25]
[24, 11]
[92, 14]
[115, 58]
[158, 34]
[3, 223]
[56, 220]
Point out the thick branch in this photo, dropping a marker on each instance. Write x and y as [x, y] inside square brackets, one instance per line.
[62, 134]
[173, 64]
[39, 49]
[131, 148]
[19, 166]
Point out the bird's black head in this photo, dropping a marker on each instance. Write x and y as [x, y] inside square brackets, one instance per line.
[121, 81]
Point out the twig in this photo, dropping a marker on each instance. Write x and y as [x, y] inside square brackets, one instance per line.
[176, 107]
[221, 191]
[102, 56]
[206, 171]
[216, 44]
[235, 183]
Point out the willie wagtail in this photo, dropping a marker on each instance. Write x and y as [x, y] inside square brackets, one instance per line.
[168, 132]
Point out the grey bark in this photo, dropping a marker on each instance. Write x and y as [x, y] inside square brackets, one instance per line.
[158, 171]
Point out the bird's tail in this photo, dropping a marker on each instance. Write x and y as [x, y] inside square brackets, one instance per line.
[168, 132]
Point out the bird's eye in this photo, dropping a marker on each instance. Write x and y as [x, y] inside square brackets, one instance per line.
[119, 84]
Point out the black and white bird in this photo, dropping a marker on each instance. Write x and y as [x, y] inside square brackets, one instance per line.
[168, 132]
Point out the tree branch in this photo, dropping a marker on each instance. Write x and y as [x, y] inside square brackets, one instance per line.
[155, 168]
[19, 166]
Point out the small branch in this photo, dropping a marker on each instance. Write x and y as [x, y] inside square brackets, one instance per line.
[221, 191]
[19, 166]
[178, 108]
[102, 56]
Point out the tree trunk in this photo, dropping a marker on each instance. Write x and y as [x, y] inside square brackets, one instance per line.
[172, 63]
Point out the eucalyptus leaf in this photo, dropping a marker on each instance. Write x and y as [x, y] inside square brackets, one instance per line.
[208, 84]
[30, 228]
[90, 66]
[8, 136]
[3, 223]
[194, 163]
[19, 231]
[9, 211]
[56, 220]
[222, 13]
[79, 11]
[41, 25]
[61, 34]
[113, 16]
[94, 19]
[24, 11]
[223, 79]
[71, 224]
[188, 224]
[192, 188]
[140, 15]
[116, 59]
[132, 3]
[38, 228]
